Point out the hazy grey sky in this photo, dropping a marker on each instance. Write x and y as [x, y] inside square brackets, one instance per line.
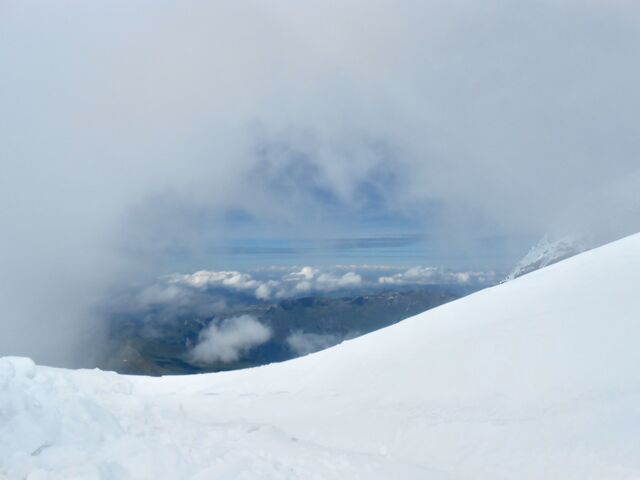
[135, 133]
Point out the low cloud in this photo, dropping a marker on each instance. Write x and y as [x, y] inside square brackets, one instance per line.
[309, 279]
[306, 273]
[436, 276]
[165, 300]
[229, 340]
[304, 343]
[204, 278]
[291, 282]
[332, 282]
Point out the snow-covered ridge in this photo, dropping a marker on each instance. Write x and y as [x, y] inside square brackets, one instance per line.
[547, 252]
[534, 378]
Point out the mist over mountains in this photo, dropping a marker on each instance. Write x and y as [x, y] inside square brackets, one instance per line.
[210, 321]
[143, 139]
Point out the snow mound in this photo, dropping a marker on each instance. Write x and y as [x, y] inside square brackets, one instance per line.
[534, 378]
[547, 252]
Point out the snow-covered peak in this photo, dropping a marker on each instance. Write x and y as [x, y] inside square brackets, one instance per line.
[547, 252]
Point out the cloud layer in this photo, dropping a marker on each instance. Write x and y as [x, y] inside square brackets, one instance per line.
[228, 341]
[302, 343]
[436, 276]
[289, 282]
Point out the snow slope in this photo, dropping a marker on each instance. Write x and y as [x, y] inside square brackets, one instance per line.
[536, 378]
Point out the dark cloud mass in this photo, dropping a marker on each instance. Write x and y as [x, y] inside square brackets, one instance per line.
[133, 134]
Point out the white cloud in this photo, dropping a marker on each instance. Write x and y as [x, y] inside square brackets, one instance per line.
[309, 279]
[161, 293]
[304, 286]
[307, 273]
[204, 278]
[350, 279]
[328, 281]
[179, 288]
[303, 343]
[229, 340]
[306, 280]
[263, 292]
[436, 276]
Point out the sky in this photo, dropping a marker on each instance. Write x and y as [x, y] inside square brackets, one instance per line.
[140, 139]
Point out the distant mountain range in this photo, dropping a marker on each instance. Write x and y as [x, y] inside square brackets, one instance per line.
[209, 328]
[157, 344]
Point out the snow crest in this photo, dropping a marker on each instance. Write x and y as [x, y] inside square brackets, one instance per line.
[547, 252]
